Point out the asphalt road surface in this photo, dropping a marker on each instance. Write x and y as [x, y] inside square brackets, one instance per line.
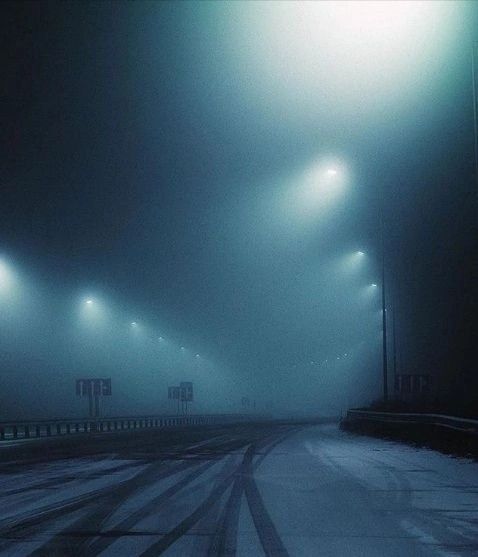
[245, 490]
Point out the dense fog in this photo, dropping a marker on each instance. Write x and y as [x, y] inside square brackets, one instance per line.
[202, 191]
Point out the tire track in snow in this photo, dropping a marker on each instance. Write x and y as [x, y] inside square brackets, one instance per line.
[87, 528]
[228, 536]
[224, 541]
[30, 522]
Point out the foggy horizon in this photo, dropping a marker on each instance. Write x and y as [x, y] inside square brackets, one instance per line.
[211, 171]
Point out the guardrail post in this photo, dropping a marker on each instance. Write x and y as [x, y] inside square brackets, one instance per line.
[48, 430]
[15, 432]
[38, 431]
[27, 432]
[68, 429]
[58, 429]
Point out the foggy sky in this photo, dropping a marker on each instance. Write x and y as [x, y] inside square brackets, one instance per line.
[156, 158]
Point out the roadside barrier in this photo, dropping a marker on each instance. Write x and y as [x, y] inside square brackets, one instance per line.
[50, 428]
[448, 434]
[464, 425]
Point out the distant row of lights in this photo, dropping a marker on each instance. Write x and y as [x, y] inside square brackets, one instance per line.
[332, 172]
[361, 253]
[89, 301]
[314, 363]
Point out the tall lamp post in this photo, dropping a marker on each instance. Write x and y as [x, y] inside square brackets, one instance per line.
[332, 172]
[384, 313]
[474, 71]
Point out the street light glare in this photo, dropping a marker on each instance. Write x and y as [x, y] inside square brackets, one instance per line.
[89, 302]
[360, 253]
[320, 186]
[339, 50]
[6, 276]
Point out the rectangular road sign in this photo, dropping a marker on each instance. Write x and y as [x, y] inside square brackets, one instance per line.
[96, 387]
[173, 393]
[186, 391]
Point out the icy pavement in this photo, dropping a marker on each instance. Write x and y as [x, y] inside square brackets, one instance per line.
[258, 490]
[333, 493]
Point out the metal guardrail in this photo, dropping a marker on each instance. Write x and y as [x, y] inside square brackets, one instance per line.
[464, 425]
[50, 428]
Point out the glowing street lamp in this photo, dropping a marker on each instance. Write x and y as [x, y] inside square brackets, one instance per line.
[6, 276]
[352, 48]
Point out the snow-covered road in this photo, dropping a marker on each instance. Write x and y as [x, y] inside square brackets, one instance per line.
[272, 490]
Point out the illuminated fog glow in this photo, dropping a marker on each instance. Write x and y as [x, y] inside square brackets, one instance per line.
[92, 312]
[332, 51]
[351, 265]
[316, 189]
[7, 280]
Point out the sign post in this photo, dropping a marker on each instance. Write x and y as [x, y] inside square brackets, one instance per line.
[183, 394]
[186, 388]
[173, 394]
[93, 389]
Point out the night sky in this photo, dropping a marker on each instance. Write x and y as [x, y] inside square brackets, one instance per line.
[149, 148]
